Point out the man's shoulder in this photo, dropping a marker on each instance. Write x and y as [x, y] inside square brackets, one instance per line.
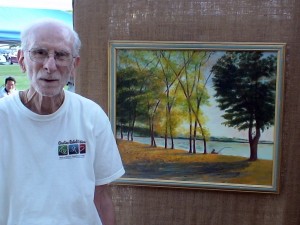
[77, 97]
[2, 89]
[82, 101]
[87, 107]
[2, 92]
[7, 101]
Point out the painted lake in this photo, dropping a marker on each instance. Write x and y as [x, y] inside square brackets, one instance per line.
[265, 151]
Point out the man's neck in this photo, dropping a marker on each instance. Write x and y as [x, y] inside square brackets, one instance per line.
[39, 104]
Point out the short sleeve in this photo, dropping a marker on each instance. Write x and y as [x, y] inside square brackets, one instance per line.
[107, 164]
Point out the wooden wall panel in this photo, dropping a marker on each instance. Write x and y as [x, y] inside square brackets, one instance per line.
[98, 21]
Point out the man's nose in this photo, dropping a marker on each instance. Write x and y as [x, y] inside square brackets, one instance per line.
[50, 63]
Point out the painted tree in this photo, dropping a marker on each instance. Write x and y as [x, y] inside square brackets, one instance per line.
[150, 101]
[193, 83]
[152, 81]
[136, 69]
[186, 72]
[126, 99]
[245, 85]
[170, 119]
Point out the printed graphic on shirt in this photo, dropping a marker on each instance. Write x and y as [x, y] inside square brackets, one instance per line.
[71, 149]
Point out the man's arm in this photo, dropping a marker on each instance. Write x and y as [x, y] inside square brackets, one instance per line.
[104, 205]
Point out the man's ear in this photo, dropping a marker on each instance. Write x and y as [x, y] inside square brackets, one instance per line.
[76, 64]
[20, 56]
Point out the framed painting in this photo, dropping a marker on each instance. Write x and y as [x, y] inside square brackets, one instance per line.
[198, 115]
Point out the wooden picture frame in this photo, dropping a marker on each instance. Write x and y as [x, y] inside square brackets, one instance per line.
[198, 115]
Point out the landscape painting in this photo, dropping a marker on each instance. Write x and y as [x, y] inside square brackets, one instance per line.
[198, 115]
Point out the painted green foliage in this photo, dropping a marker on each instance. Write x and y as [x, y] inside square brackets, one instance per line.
[164, 91]
[245, 84]
[158, 88]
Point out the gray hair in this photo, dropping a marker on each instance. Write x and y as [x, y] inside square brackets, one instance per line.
[27, 33]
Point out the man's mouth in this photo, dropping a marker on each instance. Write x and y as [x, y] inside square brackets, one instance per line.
[49, 80]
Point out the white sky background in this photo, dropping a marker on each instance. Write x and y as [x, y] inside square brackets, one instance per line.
[41, 4]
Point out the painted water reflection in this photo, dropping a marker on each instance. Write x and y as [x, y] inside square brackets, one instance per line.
[265, 151]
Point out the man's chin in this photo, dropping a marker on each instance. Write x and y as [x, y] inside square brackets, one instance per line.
[50, 93]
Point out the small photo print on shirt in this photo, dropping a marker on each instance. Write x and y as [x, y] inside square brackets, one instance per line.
[71, 149]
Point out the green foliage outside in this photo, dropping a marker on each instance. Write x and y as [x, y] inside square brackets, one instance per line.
[14, 71]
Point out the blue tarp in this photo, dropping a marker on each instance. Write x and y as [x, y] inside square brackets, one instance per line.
[13, 20]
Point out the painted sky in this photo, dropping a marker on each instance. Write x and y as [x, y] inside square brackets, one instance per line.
[214, 114]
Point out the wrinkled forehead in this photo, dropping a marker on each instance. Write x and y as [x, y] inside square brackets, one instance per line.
[50, 36]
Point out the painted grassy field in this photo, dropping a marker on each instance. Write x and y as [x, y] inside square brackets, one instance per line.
[143, 161]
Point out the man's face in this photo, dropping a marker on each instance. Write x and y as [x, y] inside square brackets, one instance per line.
[47, 76]
[10, 85]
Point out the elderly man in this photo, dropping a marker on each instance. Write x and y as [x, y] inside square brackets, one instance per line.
[57, 148]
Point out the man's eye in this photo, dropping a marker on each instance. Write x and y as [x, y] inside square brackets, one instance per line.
[40, 52]
[62, 55]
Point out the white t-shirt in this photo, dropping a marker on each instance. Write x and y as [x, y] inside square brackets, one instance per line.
[3, 92]
[50, 164]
